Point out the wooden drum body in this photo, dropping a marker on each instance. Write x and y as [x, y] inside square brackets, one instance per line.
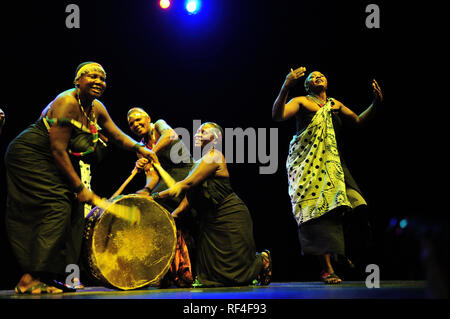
[125, 255]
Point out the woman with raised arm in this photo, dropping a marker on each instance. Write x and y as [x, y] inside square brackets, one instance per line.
[225, 251]
[44, 214]
[321, 187]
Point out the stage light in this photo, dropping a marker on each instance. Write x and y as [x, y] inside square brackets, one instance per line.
[403, 223]
[193, 6]
[392, 222]
[164, 4]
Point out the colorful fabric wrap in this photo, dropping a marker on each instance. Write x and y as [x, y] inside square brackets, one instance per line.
[93, 129]
[315, 174]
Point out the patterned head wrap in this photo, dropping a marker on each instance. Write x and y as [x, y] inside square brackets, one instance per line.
[87, 67]
[135, 112]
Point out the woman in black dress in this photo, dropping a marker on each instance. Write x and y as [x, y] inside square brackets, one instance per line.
[225, 251]
[44, 213]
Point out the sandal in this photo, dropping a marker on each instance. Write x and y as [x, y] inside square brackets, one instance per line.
[43, 289]
[266, 273]
[330, 278]
[76, 284]
[61, 286]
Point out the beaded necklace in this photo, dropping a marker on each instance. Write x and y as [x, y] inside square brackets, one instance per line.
[93, 129]
[318, 101]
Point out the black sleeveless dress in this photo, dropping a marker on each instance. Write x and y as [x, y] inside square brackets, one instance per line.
[226, 253]
[44, 220]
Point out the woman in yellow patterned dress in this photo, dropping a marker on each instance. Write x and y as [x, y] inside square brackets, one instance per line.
[321, 187]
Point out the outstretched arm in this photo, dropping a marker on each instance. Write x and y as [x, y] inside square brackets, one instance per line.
[119, 137]
[207, 166]
[377, 99]
[281, 110]
[368, 113]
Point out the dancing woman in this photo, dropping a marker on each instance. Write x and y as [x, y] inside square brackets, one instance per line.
[321, 187]
[44, 214]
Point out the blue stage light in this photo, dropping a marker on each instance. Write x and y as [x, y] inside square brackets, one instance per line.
[193, 6]
[403, 223]
[392, 222]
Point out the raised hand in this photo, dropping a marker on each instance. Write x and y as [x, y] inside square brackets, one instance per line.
[378, 94]
[294, 75]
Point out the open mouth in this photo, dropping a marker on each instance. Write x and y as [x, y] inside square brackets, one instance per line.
[138, 129]
[97, 89]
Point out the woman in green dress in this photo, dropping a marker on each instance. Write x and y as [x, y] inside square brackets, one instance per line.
[225, 251]
[44, 213]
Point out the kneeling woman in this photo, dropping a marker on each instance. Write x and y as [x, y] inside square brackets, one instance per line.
[226, 252]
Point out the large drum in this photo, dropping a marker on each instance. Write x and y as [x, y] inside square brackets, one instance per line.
[128, 255]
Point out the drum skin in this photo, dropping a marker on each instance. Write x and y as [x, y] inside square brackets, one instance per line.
[128, 256]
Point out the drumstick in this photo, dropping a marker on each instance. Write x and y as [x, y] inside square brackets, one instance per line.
[164, 175]
[122, 187]
[133, 214]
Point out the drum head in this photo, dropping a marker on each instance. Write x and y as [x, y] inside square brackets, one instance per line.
[130, 256]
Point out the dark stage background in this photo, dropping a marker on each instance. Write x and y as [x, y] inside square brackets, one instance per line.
[227, 65]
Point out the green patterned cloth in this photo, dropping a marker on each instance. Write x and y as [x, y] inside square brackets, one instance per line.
[315, 172]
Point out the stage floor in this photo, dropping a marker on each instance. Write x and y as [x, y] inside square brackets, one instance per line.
[276, 290]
